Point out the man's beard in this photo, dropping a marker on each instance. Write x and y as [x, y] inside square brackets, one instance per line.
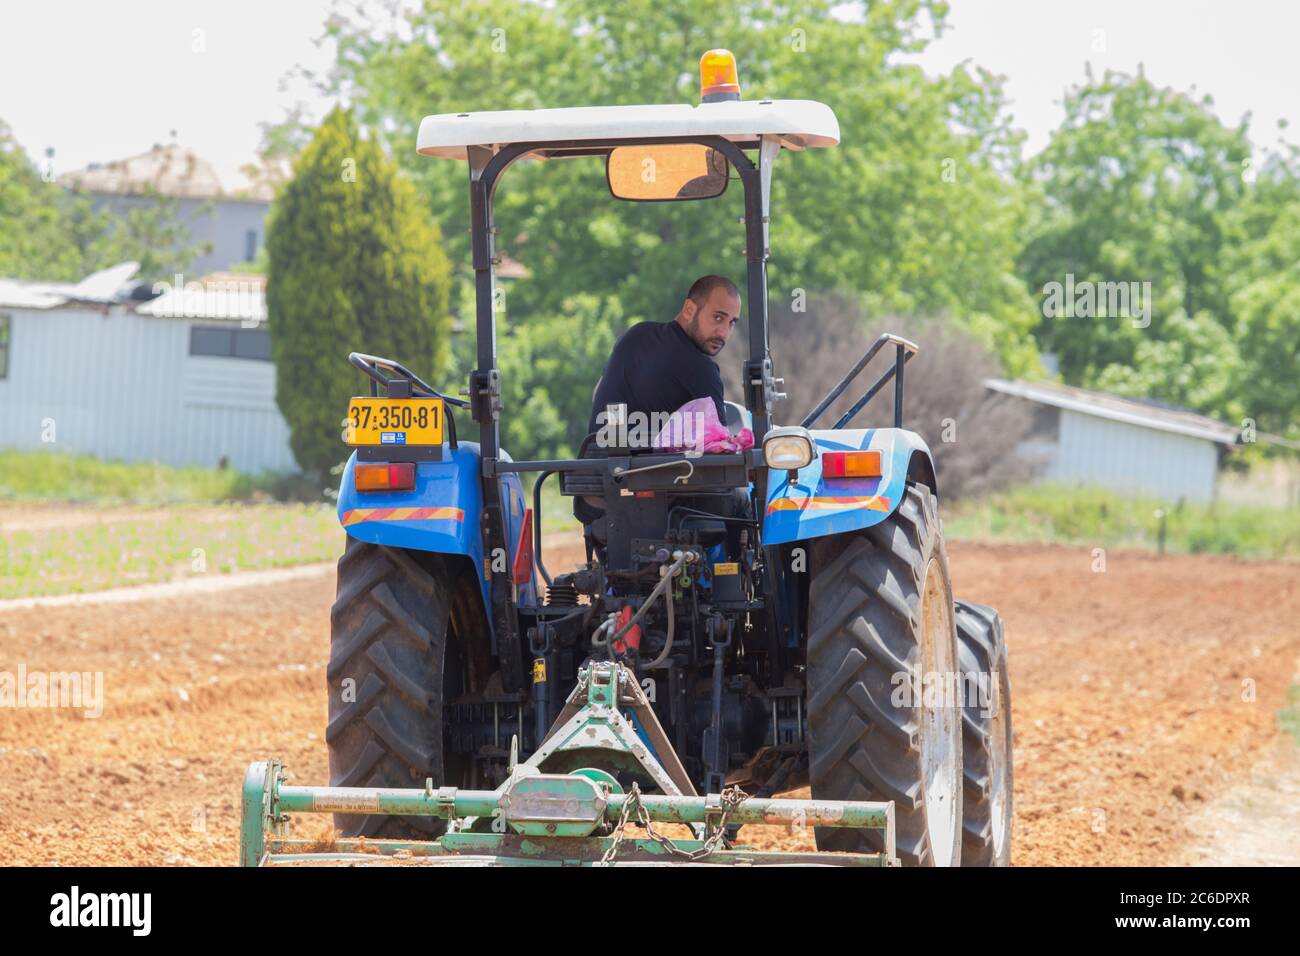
[711, 345]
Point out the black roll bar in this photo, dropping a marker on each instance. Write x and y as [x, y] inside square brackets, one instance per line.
[903, 352]
[372, 366]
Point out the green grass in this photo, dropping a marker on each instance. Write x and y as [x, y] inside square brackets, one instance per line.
[1289, 716]
[185, 541]
[73, 523]
[59, 477]
[1097, 518]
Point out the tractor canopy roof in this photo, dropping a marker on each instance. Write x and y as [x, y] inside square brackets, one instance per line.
[797, 124]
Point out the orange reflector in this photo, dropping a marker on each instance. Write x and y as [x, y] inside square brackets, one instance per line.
[718, 79]
[851, 464]
[399, 476]
[523, 569]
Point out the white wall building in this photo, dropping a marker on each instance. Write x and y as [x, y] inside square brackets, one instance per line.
[229, 221]
[1094, 438]
[185, 379]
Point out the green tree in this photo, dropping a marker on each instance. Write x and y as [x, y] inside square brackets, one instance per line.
[35, 239]
[1262, 276]
[47, 232]
[354, 265]
[553, 363]
[916, 210]
[1139, 185]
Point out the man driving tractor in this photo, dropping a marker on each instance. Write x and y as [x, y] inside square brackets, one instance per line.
[657, 367]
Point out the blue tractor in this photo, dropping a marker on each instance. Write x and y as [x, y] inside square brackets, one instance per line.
[775, 617]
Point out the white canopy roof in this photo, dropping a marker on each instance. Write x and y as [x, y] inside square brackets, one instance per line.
[799, 123]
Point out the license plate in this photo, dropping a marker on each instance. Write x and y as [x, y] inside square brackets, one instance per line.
[396, 422]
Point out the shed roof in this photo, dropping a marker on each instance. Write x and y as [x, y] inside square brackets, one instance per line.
[1116, 408]
[799, 123]
[99, 288]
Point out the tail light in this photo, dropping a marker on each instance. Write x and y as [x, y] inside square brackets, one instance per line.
[383, 476]
[851, 464]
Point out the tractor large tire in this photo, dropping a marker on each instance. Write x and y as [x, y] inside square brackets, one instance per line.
[986, 738]
[880, 629]
[388, 637]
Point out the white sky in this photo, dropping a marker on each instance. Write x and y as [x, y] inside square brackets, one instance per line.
[1241, 52]
[103, 79]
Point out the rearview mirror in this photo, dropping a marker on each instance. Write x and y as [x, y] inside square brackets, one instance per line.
[662, 173]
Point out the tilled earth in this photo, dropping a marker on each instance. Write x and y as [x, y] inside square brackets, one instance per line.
[1141, 693]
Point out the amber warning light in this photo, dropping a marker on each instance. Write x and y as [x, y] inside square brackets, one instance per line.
[718, 79]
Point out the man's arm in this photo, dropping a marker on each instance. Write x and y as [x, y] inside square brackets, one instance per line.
[704, 380]
[715, 392]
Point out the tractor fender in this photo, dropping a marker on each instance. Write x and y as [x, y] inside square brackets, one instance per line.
[443, 514]
[813, 506]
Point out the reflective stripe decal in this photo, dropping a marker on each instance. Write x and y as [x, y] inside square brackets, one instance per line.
[867, 502]
[357, 515]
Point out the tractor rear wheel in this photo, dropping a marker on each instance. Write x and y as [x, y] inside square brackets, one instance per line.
[388, 640]
[986, 738]
[880, 632]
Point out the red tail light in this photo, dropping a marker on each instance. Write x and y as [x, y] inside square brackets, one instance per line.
[851, 464]
[382, 476]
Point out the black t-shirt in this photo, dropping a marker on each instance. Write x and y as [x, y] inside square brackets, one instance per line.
[655, 367]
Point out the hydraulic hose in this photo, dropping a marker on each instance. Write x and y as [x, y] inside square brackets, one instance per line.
[659, 589]
[668, 641]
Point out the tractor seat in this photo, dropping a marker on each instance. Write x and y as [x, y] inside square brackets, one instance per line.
[590, 483]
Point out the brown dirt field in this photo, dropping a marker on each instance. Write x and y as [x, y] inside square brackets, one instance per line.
[1128, 707]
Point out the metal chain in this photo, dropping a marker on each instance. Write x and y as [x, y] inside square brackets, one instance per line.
[632, 798]
[731, 798]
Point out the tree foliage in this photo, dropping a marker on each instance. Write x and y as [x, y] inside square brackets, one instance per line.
[354, 264]
[49, 233]
[34, 236]
[1262, 277]
[1139, 186]
[913, 212]
[1145, 184]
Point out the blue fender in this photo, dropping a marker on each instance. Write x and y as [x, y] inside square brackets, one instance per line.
[813, 506]
[442, 515]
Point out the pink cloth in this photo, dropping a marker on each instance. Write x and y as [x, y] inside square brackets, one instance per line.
[695, 428]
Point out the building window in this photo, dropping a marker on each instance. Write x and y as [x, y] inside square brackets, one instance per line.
[225, 342]
[250, 245]
[5, 323]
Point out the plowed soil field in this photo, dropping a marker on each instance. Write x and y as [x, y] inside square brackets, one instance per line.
[1142, 694]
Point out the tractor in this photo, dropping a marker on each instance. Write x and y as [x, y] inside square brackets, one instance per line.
[746, 623]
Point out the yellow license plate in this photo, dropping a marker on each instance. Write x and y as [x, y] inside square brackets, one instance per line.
[396, 422]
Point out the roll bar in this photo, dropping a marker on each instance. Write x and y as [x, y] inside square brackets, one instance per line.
[373, 365]
[903, 352]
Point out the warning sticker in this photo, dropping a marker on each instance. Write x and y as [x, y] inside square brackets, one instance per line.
[338, 803]
[727, 568]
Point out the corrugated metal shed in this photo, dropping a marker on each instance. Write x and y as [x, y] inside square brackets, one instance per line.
[124, 383]
[1095, 438]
